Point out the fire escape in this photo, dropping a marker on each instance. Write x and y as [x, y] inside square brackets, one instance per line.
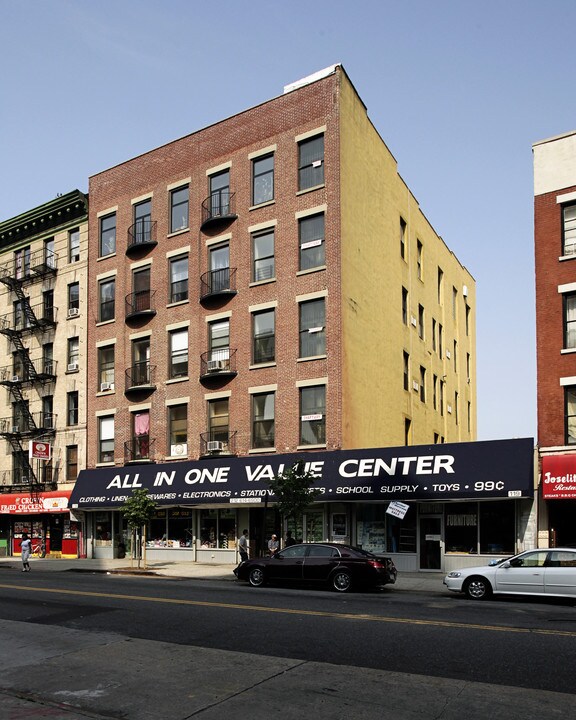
[27, 320]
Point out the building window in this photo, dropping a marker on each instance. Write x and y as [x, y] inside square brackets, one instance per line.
[142, 295]
[179, 209]
[48, 412]
[263, 255]
[263, 420]
[456, 408]
[143, 222]
[311, 162]
[440, 288]
[569, 229]
[467, 320]
[435, 392]
[406, 369]
[141, 372]
[48, 359]
[22, 263]
[106, 368]
[311, 238]
[108, 235]
[178, 360]
[440, 341]
[569, 302]
[469, 416]
[422, 384]
[264, 337]
[49, 254]
[407, 431]
[73, 298]
[468, 367]
[218, 421]
[72, 408]
[106, 439]
[313, 328]
[433, 335]
[178, 430]
[262, 179]
[421, 322]
[313, 415]
[73, 353]
[220, 193]
[455, 356]
[219, 268]
[419, 250]
[441, 386]
[405, 306]
[403, 238]
[454, 302]
[570, 413]
[107, 292]
[178, 279]
[74, 246]
[219, 340]
[71, 463]
[140, 443]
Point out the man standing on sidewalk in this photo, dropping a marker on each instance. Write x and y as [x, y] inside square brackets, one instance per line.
[243, 546]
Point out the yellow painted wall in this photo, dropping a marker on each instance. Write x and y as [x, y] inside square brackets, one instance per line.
[374, 402]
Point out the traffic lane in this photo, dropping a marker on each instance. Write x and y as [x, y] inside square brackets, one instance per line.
[495, 654]
[512, 611]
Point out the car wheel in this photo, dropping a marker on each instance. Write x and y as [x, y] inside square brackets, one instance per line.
[342, 581]
[256, 577]
[478, 588]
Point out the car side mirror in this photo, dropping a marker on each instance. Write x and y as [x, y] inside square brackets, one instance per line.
[507, 564]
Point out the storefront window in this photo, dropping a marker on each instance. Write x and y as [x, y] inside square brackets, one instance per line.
[461, 527]
[103, 525]
[218, 529]
[379, 532]
[489, 524]
[497, 523]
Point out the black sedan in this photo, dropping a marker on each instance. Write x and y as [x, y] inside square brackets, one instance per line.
[339, 566]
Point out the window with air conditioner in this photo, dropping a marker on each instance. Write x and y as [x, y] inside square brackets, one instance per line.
[178, 430]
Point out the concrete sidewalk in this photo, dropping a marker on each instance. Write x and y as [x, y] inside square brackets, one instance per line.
[430, 582]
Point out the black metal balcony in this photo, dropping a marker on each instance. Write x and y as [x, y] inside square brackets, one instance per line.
[139, 450]
[27, 318]
[218, 364]
[140, 304]
[218, 442]
[32, 425]
[216, 283]
[218, 209]
[141, 236]
[29, 371]
[140, 377]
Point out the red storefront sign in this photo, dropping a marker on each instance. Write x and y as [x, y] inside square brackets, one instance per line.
[39, 450]
[558, 477]
[27, 504]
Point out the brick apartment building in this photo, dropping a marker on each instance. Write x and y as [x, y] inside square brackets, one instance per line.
[555, 258]
[43, 321]
[267, 289]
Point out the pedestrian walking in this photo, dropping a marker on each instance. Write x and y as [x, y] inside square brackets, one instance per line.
[243, 546]
[26, 548]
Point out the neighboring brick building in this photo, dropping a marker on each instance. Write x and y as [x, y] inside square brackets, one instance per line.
[43, 321]
[555, 255]
[269, 285]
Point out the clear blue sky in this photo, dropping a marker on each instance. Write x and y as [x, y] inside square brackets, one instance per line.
[459, 91]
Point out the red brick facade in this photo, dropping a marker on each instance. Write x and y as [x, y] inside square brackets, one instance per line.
[276, 123]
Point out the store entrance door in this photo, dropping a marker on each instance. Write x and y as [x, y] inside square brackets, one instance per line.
[431, 542]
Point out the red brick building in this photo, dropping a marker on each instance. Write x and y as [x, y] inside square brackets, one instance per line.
[555, 262]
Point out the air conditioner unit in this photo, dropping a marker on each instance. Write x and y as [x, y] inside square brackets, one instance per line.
[25, 479]
[215, 365]
[180, 450]
[105, 386]
[15, 378]
[15, 429]
[72, 366]
[73, 312]
[214, 446]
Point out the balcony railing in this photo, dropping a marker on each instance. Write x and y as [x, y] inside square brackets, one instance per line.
[217, 442]
[218, 282]
[139, 449]
[31, 371]
[40, 263]
[140, 304]
[37, 423]
[141, 235]
[218, 363]
[28, 318]
[219, 207]
[141, 376]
